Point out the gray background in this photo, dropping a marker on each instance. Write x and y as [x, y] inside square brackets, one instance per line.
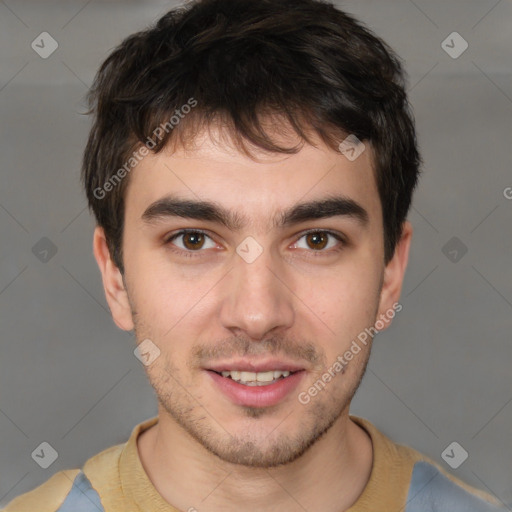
[441, 373]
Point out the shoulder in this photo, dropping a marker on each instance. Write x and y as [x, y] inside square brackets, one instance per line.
[47, 497]
[71, 490]
[422, 484]
[432, 489]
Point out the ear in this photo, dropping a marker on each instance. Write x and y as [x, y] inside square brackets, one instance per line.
[394, 274]
[113, 283]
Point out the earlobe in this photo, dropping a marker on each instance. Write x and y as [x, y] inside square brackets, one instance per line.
[113, 284]
[395, 271]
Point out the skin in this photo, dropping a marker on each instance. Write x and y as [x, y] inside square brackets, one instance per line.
[294, 301]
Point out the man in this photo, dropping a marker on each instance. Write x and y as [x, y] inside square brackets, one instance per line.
[250, 167]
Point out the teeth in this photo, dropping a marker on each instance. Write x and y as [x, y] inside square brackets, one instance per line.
[256, 379]
[262, 377]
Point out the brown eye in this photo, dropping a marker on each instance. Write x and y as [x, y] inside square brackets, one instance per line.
[193, 240]
[318, 240]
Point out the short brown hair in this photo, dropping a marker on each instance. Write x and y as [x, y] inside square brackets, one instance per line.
[303, 61]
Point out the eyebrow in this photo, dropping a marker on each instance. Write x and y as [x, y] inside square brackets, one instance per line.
[333, 206]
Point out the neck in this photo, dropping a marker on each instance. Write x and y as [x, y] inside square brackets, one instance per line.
[189, 477]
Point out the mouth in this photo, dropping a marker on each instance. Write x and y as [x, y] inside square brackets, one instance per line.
[256, 378]
[256, 389]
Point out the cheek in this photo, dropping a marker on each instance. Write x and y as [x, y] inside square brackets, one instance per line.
[344, 299]
[154, 285]
[173, 307]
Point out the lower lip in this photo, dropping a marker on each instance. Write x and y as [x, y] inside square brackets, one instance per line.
[257, 396]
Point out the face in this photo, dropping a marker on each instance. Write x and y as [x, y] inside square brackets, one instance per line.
[236, 269]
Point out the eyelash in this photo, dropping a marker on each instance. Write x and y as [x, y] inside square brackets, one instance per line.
[191, 254]
[322, 252]
[181, 252]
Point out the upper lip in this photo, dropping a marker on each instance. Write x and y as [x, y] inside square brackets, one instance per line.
[244, 365]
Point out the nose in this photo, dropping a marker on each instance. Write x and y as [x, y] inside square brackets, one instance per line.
[257, 298]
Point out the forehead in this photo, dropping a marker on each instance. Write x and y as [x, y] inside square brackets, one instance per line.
[258, 188]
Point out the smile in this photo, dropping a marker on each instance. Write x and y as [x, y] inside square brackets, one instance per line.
[256, 378]
[256, 389]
